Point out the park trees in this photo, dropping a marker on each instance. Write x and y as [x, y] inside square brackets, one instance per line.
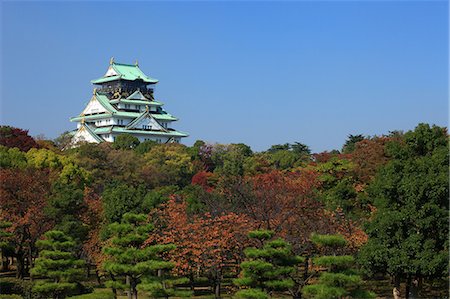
[205, 245]
[129, 261]
[267, 268]
[340, 280]
[23, 197]
[408, 234]
[57, 264]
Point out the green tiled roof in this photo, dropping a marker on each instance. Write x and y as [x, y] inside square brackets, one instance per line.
[114, 129]
[122, 114]
[104, 101]
[137, 102]
[129, 72]
[92, 133]
[137, 95]
[140, 117]
[137, 114]
[90, 117]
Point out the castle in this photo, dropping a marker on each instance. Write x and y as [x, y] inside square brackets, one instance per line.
[123, 102]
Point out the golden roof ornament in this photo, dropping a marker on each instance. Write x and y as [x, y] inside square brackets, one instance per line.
[94, 91]
[136, 63]
[82, 120]
[111, 61]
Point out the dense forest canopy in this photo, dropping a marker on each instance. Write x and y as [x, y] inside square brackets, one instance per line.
[167, 220]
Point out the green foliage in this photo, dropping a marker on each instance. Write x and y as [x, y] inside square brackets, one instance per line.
[155, 197]
[322, 291]
[16, 287]
[340, 280]
[5, 236]
[98, 295]
[328, 240]
[251, 294]
[267, 268]
[408, 235]
[129, 258]
[261, 234]
[125, 141]
[44, 158]
[350, 143]
[287, 156]
[12, 158]
[167, 164]
[57, 264]
[64, 206]
[145, 147]
[120, 198]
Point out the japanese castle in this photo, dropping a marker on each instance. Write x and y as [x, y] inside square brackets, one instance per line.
[123, 102]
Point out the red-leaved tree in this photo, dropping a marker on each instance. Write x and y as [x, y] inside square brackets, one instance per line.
[15, 137]
[23, 197]
[205, 245]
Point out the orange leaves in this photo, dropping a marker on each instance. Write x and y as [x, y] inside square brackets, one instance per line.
[93, 217]
[204, 243]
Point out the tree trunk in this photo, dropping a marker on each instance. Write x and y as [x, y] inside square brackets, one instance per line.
[97, 276]
[113, 289]
[135, 292]
[4, 261]
[408, 286]
[217, 290]
[396, 290]
[20, 267]
[415, 285]
[191, 282]
[217, 283]
[130, 289]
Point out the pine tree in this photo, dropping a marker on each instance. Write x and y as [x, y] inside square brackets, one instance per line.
[57, 264]
[133, 266]
[340, 280]
[267, 268]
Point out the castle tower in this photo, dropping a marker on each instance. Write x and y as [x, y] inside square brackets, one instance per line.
[123, 102]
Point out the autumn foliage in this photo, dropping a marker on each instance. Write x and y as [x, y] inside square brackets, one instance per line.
[204, 244]
[15, 137]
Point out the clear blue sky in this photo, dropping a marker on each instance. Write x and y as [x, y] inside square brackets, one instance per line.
[261, 73]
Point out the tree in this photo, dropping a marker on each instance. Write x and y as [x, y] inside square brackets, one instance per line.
[64, 140]
[350, 143]
[125, 141]
[205, 245]
[145, 147]
[15, 137]
[57, 264]
[23, 198]
[408, 234]
[5, 237]
[267, 268]
[130, 261]
[12, 158]
[65, 206]
[167, 164]
[121, 198]
[339, 280]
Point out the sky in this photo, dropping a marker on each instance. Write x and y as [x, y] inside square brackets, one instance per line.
[261, 73]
